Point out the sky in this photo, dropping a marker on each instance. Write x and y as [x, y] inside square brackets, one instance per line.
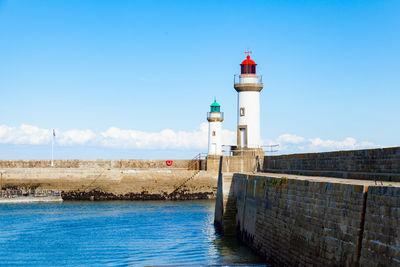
[135, 79]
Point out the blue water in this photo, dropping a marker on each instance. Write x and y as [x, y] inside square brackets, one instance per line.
[116, 233]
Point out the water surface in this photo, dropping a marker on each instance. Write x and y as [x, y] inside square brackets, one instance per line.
[116, 233]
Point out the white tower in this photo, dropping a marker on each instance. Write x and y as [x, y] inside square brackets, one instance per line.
[215, 118]
[248, 85]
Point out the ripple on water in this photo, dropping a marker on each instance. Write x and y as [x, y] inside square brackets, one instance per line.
[116, 233]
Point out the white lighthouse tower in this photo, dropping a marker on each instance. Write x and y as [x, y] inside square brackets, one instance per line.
[215, 118]
[248, 85]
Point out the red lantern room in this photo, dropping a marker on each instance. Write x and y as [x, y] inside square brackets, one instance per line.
[248, 66]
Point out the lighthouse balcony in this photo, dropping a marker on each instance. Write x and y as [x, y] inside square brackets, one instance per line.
[247, 78]
[215, 116]
[248, 82]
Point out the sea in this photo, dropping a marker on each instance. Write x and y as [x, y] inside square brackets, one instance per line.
[117, 233]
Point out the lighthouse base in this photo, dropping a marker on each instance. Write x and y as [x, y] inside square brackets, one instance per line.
[244, 160]
[248, 152]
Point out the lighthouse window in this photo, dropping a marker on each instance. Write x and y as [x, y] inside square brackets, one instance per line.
[241, 112]
[213, 133]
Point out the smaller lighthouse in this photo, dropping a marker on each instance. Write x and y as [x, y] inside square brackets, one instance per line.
[215, 118]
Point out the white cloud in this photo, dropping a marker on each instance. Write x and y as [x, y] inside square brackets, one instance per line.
[290, 138]
[165, 139]
[113, 137]
[73, 137]
[25, 134]
[328, 144]
[289, 143]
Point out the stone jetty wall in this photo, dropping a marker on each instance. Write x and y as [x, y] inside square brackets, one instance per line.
[230, 164]
[296, 221]
[381, 237]
[112, 179]
[380, 164]
[97, 164]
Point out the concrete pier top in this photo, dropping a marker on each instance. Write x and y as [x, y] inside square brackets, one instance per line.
[326, 179]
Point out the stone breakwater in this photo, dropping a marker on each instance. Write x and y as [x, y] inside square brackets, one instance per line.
[369, 164]
[298, 220]
[112, 179]
[99, 195]
[96, 164]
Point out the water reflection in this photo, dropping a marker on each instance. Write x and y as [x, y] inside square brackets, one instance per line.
[116, 233]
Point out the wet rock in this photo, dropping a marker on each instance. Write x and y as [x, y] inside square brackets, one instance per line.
[96, 195]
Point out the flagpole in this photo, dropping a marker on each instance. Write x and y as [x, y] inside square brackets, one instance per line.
[52, 150]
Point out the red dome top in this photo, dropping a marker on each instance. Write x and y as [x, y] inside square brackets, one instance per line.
[248, 61]
[248, 66]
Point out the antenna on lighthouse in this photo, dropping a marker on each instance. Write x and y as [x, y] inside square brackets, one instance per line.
[248, 52]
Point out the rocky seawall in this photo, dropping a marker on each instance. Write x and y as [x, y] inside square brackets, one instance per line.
[99, 196]
[82, 183]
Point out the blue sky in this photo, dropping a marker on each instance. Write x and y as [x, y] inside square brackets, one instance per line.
[132, 71]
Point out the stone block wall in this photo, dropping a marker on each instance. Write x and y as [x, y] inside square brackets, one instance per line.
[381, 238]
[143, 184]
[97, 164]
[299, 221]
[231, 164]
[225, 205]
[112, 179]
[370, 164]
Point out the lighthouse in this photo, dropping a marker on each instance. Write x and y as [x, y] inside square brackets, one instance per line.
[248, 85]
[215, 118]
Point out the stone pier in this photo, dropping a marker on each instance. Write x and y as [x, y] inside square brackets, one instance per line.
[307, 219]
[112, 179]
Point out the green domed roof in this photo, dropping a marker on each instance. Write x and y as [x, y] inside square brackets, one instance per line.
[215, 104]
[215, 107]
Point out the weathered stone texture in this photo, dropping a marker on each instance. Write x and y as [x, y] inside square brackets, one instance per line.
[117, 183]
[231, 164]
[381, 238]
[380, 164]
[97, 164]
[297, 222]
[225, 205]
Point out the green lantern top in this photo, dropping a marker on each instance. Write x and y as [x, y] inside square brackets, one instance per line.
[215, 107]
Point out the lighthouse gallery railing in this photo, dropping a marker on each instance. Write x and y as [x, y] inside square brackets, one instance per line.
[236, 79]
